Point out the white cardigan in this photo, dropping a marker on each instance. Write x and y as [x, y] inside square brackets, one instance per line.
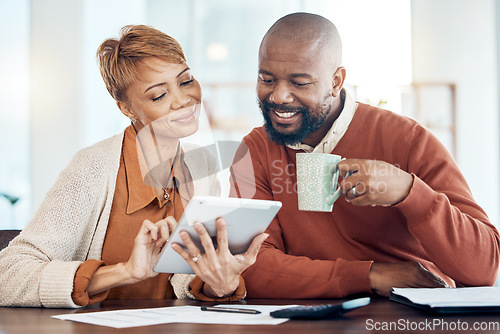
[39, 266]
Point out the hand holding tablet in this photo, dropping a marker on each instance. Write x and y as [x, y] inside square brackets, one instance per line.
[244, 220]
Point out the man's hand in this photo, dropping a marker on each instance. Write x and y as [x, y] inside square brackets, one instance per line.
[385, 276]
[374, 182]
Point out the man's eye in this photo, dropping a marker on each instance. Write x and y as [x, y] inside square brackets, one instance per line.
[267, 81]
[159, 97]
[301, 84]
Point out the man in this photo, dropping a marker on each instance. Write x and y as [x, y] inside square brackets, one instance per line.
[406, 217]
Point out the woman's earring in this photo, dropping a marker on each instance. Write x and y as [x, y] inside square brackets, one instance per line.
[133, 120]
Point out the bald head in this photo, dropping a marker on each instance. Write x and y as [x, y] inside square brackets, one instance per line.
[307, 30]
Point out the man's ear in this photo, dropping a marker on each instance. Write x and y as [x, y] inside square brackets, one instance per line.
[338, 80]
[125, 109]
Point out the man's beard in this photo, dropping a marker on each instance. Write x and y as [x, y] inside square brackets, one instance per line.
[308, 126]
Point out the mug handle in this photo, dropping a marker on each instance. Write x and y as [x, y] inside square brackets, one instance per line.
[336, 194]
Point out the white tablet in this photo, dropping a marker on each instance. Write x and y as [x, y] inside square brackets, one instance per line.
[245, 219]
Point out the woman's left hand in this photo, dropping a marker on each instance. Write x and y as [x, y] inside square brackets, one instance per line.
[217, 268]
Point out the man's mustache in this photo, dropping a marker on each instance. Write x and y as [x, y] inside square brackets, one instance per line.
[268, 106]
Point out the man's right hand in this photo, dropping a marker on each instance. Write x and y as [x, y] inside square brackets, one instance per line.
[385, 276]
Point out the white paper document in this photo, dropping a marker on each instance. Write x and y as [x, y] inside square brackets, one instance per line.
[451, 297]
[176, 314]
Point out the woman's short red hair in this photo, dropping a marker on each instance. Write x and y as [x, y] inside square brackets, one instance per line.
[118, 58]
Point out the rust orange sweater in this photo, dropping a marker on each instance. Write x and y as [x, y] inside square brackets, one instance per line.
[328, 255]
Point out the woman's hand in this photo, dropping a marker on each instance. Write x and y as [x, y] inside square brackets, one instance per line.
[218, 268]
[147, 247]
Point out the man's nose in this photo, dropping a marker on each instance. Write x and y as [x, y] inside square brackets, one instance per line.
[281, 94]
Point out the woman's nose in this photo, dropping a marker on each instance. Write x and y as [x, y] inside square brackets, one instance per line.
[180, 100]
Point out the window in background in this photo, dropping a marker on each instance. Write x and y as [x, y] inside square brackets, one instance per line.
[15, 200]
[221, 39]
[376, 49]
[102, 20]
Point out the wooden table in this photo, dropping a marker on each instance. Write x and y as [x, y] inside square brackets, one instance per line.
[373, 318]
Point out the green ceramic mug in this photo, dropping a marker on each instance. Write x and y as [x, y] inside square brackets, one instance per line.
[317, 176]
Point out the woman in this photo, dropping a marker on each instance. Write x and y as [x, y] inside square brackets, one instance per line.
[100, 229]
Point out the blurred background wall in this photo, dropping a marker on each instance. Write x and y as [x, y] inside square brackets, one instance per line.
[433, 60]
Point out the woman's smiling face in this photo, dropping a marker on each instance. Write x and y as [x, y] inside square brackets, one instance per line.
[167, 93]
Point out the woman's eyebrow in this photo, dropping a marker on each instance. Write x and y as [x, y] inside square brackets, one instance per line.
[162, 83]
[184, 70]
[155, 85]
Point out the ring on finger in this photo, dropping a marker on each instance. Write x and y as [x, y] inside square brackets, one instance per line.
[196, 258]
[354, 192]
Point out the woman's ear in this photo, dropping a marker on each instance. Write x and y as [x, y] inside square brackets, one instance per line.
[125, 109]
[338, 81]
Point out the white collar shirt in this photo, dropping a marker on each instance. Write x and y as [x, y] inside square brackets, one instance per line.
[336, 132]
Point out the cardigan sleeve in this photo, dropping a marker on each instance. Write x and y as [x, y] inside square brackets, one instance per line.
[39, 266]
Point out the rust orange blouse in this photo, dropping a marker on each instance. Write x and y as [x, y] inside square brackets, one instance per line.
[134, 202]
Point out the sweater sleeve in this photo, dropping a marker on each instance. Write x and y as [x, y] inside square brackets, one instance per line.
[441, 212]
[305, 277]
[299, 277]
[39, 266]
